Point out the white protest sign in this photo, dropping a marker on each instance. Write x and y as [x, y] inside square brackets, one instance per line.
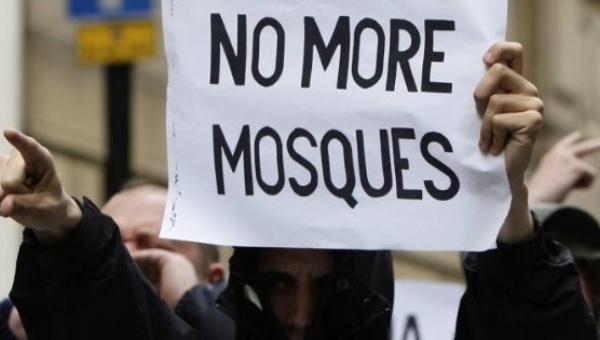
[425, 310]
[330, 123]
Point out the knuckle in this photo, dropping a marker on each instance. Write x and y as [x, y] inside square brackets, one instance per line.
[533, 90]
[495, 102]
[496, 120]
[44, 151]
[519, 49]
[498, 69]
[540, 106]
[8, 184]
[479, 95]
[535, 119]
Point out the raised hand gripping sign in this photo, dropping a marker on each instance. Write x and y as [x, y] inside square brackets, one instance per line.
[330, 123]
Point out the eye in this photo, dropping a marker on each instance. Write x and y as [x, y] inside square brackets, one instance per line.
[325, 280]
[277, 284]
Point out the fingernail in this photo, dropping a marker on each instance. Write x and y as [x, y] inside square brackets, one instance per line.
[482, 145]
[496, 151]
[488, 57]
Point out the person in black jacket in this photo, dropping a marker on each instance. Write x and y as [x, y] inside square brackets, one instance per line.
[177, 269]
[562, 170]
[75, 279]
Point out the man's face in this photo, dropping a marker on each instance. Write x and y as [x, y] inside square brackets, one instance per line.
[292, 285]
[138, 212]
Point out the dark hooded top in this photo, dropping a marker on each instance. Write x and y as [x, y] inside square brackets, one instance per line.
[355, 300]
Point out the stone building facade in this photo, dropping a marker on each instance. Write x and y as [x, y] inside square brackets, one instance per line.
[65, 101]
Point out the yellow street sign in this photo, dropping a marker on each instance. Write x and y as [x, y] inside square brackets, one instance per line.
[115, 42]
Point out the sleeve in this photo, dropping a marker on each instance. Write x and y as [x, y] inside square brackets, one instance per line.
[528, 290]
[89, 288]
[5, 309]
[197, 307]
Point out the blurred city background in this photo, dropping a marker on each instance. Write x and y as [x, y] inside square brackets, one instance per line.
[47, 92]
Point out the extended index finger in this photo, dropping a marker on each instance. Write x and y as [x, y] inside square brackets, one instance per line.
[587, 147]
[32, 152]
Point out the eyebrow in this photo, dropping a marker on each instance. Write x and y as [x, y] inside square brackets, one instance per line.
[273, 275]
[276, 275]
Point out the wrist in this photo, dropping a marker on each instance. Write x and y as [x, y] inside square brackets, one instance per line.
[68, 219]
[518, 225]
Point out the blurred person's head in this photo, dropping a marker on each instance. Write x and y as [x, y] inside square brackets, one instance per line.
[138, 210]
[580, 233]
[285, 293]
[589, 270]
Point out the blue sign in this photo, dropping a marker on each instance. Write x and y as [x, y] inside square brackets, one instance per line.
[109, 9]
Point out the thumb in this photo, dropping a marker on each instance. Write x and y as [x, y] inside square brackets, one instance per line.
[24, 208]
[42, 212]
[18, 205]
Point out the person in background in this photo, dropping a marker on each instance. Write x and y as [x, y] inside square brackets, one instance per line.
[561, 170]
[188, 276]
[179, 270]
[138, 210]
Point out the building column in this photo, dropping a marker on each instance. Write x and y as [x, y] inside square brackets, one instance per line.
[11, 111]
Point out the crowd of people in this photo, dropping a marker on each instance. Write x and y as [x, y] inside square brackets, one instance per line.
[89, 273]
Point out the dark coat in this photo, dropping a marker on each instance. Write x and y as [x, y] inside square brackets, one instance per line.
[524, 291]
[90, 288]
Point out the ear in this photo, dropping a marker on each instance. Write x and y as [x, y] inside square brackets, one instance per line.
[216, 273]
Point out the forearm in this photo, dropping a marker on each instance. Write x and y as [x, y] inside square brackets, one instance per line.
[518, 225]
[88, 287]
[70, 214]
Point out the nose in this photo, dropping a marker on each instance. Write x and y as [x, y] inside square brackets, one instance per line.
[303, 312]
